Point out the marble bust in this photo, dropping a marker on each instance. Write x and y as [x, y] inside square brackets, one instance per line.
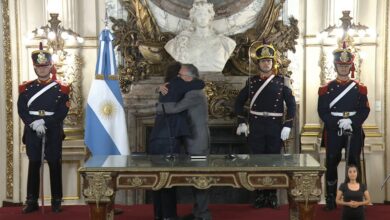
[199, 44]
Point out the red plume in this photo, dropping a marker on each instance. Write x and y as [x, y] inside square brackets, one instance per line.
[353, 70]
[53, 73]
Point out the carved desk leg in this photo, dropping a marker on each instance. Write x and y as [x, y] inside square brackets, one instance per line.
[306, 211]
[99, 192]
[293, 208]
[304, 193]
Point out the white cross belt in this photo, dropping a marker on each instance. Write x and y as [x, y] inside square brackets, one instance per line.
[267, 114]
[41, 113]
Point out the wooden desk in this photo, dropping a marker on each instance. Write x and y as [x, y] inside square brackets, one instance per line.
[300, 174]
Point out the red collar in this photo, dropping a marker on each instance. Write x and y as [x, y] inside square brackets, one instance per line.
[343, 82]
[44, 82]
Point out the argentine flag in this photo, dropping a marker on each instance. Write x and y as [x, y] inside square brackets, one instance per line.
[105, 129]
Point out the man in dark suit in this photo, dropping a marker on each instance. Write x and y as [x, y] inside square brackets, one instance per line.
[167, 133]
[43, 105]
[267, 92]
[194, 104]
[343, 107]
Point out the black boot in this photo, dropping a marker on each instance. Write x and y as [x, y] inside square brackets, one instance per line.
[331, 196]
[32, 187]
[31, 206]
[260, 201]
[56, 205]
[272, 199]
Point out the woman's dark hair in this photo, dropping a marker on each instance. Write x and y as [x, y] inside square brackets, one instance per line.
[172, 71]
[347, 180]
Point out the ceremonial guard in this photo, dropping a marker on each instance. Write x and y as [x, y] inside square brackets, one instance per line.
[43, 105]
[267, 92]
[343, 107]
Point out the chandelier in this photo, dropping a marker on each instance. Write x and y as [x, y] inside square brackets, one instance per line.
[57, 36]
[347, 29]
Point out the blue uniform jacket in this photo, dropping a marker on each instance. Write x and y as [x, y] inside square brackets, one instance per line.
[271, 99]
[55, 99]
[353, 101]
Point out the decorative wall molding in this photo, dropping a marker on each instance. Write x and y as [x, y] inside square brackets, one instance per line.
[9, 101]
[69, 71]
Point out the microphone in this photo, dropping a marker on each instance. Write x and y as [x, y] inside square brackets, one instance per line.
[230, 156]
[169, 156]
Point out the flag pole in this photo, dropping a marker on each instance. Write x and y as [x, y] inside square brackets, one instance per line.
[106, 19]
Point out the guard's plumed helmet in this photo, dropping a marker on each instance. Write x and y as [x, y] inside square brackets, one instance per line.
[344, 56]
[261, 50]
[41, 57]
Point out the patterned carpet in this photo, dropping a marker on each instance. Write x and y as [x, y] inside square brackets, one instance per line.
[219, 212]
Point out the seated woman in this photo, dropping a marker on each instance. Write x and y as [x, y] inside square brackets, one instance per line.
[352, 195]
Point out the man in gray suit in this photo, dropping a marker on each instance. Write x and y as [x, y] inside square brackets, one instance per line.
[195, 103]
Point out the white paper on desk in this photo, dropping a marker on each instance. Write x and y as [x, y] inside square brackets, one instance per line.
[198, 157]
[115, 161]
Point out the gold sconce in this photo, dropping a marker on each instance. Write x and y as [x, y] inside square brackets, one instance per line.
[56, 36]
[347, 29]
[346, 32]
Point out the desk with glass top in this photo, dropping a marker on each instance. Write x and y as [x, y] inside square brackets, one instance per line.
[300, 174]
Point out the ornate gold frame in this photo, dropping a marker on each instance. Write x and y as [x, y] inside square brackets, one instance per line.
[70, 72]
[140, 42]
[9, 101]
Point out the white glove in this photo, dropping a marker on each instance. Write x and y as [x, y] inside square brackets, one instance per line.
[41, 130]
[35, 124]
[285, 133]
[242, 129]
[345, 124]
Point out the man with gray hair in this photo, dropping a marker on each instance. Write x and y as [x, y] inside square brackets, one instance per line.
[195, 103]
